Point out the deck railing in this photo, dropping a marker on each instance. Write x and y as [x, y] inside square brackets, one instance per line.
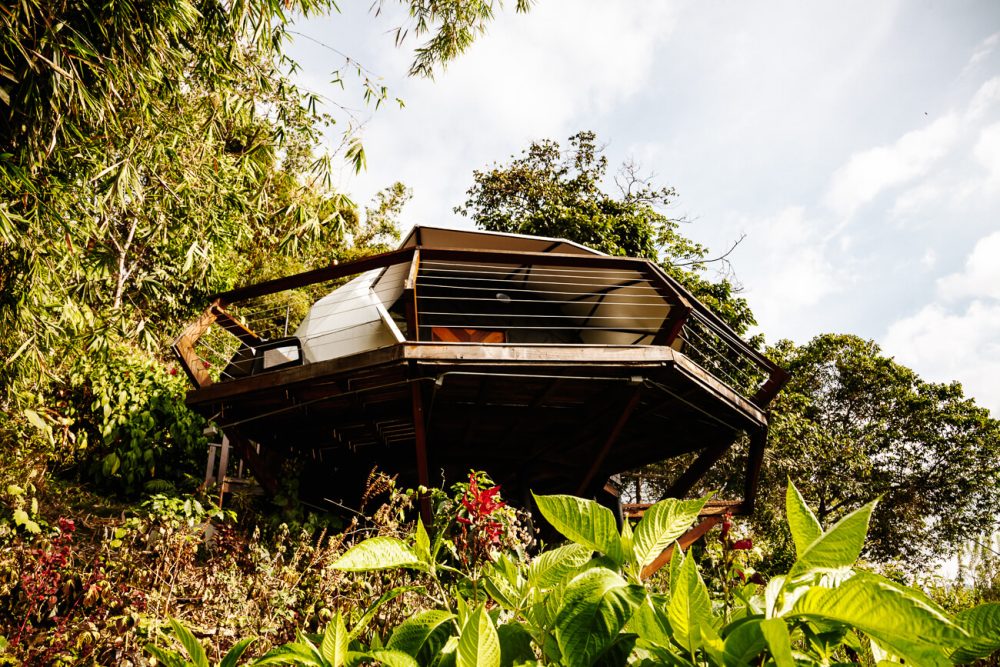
[493, 297]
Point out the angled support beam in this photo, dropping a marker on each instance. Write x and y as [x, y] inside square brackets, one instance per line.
[695, 471]
[609, 442]
[235, 327]
[778, 377]
[253, 460]
[685, 540]
[184, 347]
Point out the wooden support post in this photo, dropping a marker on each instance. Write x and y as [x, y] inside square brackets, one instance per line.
[223, 467]
[420, 432]
[184, 347]
[755, 458]
[410, 298]
[609, 442]
[777, 379]
[249, 454]
[686, 540]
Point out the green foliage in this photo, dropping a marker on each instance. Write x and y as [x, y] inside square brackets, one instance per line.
[196, 656]
[126, 422]
[853, 425]
[551, 192]
[571, 607]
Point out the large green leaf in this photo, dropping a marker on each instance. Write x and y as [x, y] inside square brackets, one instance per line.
[690, 605]
[550, 568]
[423, 630]
[775, 633]
[983, 624]
[650, 622]
[234, 654]
[802, 522]
[378, 553]
[595, 607]
[194, 649]
[661, 524]
[897, 618]
[335, 641]
[393, 658]
[478, 645]
[744, 643]
[515, 645]
[584, 522]
[837, 548]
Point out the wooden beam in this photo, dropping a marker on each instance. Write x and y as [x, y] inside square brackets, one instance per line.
[518, 258]
[423, 476]
[410, 298]
[184, 347]
[325, 274]
[686, 540]
[673, 323]
[609, 442]
[235, 327]
[253, 460]
[696, 471]
[776, 380]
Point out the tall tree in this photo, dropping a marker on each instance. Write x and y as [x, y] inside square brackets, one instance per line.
[551, 192]
[853, 425]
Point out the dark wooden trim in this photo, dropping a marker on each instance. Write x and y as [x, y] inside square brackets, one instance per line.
[410, 302]
[315, 276]
[777, 379]
[609, 442]
[673, 323]
[519, 258]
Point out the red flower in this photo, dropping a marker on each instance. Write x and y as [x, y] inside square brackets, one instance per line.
[743, 545]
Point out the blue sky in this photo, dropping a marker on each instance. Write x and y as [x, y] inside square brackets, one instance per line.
[855, 144]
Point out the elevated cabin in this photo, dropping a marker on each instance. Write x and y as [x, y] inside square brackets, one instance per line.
[552, 366]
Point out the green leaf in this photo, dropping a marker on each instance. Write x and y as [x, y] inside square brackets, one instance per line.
[650, 622]
[804, 525]
[515, 645]
[583, 521]
[194, 649]
[689, 606]
[21, 518]
[839, 547]
[595, 607]
[378, 553]
[898, 618]
[335, 641]
[744, 643]
[393, 658]
[167, 657]
[36, 420]
[417, 632]
[369, 614]
[236, 652]
[478, 644]
[661, 525]
[775, 633]
[550, 568]
[983, 624]
[422, 543]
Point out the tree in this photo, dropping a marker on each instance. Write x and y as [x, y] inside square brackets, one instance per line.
[551, 192]
[153, 153]
[853, 425]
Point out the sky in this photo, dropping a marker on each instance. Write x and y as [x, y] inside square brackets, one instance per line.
[854, 146]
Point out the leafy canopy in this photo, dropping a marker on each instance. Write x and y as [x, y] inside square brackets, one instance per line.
[548, 191]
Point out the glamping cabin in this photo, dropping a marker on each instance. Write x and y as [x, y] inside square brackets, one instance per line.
[551, 366]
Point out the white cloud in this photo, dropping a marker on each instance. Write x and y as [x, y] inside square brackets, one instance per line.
[981, 275]
[944, 346]
[987, 152]
[983, 51]
[985, 98]
[868, 173]
[792, 271]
